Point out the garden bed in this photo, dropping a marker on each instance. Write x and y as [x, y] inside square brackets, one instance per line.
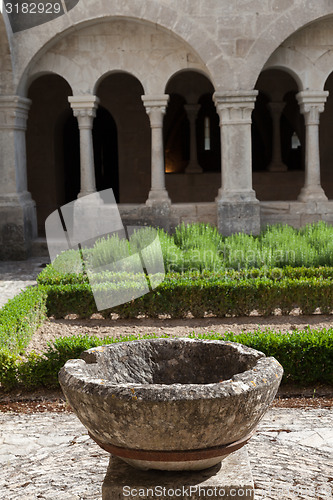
[284, 311]
[99, 327]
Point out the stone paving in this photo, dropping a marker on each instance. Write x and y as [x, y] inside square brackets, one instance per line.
[49, 455]
[16, 276]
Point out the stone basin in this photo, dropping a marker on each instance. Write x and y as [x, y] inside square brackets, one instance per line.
[171, 404]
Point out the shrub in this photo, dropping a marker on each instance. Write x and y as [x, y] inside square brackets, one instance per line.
[180, 294]
[20, 317]
[306, 356]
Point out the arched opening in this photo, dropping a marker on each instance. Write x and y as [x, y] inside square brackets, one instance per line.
[47, 178]
[191, 139]
[53, 148]
[326, 143]
[105, 154]
[122, 138]
[278, 138]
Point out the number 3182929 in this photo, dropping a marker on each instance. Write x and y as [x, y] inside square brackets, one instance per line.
[33, 8]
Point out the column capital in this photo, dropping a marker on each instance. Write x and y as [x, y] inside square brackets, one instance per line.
[276, 107]
[155, 108]
[14, 112]
[235, 107]
[192, 108]
[312, 103]
[84, 109]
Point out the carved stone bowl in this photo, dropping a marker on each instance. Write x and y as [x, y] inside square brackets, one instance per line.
[171, 404]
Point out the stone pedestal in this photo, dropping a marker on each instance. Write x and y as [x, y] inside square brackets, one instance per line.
[232, 479]
[238, 217]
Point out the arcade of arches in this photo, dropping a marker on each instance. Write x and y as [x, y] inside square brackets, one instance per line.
[173, 148]
[191, 136]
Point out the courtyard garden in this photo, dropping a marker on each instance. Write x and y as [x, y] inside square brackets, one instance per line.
[282, 272]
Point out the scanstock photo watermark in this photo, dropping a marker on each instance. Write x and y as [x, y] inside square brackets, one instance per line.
[297, 491]
[23, 15]
[121, 262]
[186, 492]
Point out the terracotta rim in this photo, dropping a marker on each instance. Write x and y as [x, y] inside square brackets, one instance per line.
[174, 456]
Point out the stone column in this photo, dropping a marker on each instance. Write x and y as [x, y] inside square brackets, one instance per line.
[155, 108]
[18, 221]
[237, 205]
[84, 109]
[193, 166]
[276, 164]
[312, 103]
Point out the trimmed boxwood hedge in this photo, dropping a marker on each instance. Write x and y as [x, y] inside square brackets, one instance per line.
[49, 276]
[306, 356]
[20, 317]
[180, 295]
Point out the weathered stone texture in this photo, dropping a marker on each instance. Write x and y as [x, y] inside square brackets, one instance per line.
[113, 389]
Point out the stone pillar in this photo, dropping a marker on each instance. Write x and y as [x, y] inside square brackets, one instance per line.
[193, 166]
[312, 103]
[155, 108]
[18, 221]
[237, 205]
[276, 164]
[84, 109]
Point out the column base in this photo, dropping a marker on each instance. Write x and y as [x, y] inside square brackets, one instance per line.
[312, 193]
[193, 168]
[238, 217]
[230, 480]
[277, 167]
[82, 194]
[242, 196]
[18, 226]
[158, 197]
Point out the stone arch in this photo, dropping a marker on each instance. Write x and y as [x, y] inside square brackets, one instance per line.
[55, 56]
[6, 71]
[278, 137]
[112, 72]
[186, 70]
[120, 94]
[192, 164]
[290, 23]
[291, 62]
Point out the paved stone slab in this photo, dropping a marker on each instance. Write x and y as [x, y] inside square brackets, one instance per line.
[16, 276]
[73, 467]
[231, 479]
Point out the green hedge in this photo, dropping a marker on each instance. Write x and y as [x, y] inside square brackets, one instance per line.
[182, 294]
[306, 356]
[49, 276]
[20, 317]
